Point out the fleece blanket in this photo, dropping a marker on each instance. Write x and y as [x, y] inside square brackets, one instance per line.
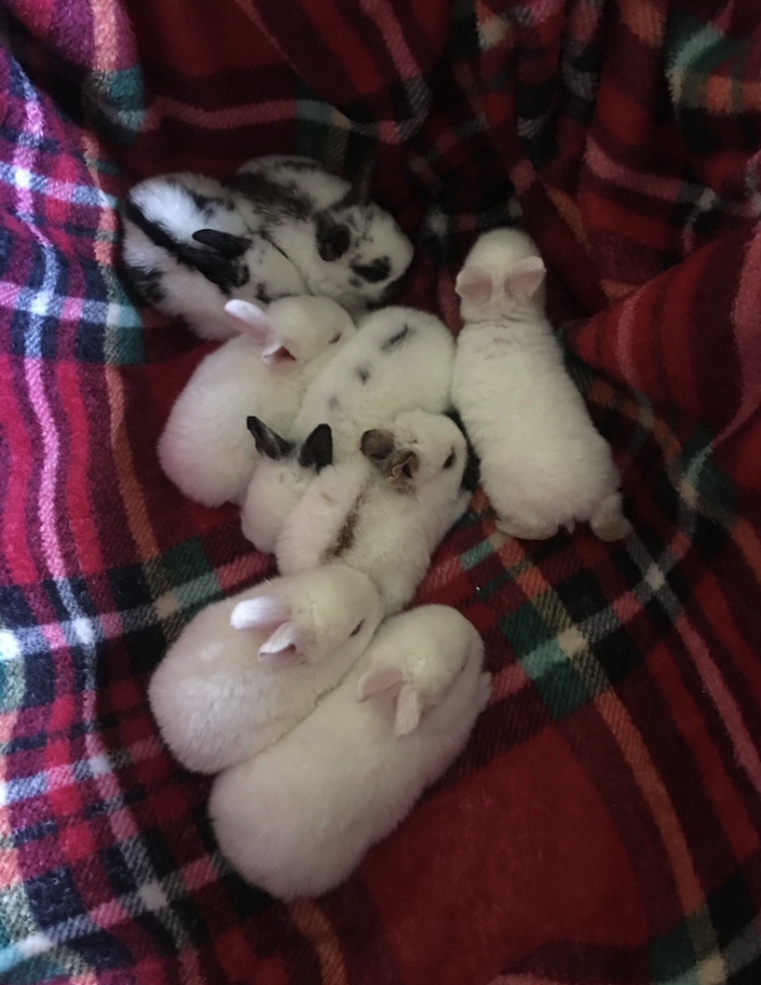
[603, 825]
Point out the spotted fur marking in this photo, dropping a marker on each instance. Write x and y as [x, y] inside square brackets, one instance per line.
[274, 198]
[345, 538]
[397, 340]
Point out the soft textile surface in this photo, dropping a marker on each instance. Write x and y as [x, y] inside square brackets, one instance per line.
[603, 825]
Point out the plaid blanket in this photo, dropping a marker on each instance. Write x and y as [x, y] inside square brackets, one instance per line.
[603, 825]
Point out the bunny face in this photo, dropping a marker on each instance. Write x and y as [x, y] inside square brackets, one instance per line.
[362, 252]
[293, 329]
[419, 656]
[416, 449]
[338, 611]
[502, 277]
[310, 616]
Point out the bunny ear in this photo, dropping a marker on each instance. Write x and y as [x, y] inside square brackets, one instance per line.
[526, 277]
[317, 450]
[225, 244]
[404, 464]
[267, 610]
[359, 193]
[381, 679]
[474, 285]
[277, 352]
[268, 442]
[282, 647]
[249, 319]
[377, 445]
[407, 711]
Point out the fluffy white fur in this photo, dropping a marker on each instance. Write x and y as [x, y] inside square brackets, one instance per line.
[179, 288]
[543, 463]
[206, 448]
[298, 818]
[370, 380]
[416, 656]
[400, 359]
[247, 669]
[383, 519]
[346, 247]
[277, 485]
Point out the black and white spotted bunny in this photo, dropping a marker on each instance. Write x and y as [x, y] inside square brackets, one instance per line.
[280, 226]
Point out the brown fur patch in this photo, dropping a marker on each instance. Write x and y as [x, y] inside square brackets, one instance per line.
[345, 537]
[377, 445]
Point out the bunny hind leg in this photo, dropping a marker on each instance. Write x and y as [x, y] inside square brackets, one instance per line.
[608, 521]
[526, 530]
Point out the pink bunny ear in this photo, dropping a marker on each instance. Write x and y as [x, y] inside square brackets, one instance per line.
[266, 610]
[474, 284]
[282, 647]
[525, 279]
[249, 319]
[277, 352]
[407, 711]
[374, 681]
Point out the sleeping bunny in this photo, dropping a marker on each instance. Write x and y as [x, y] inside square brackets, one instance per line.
[298, 818]
[281, 476]
[383, 511]
[543, 463]
[206, 448]
[343, 244]
[247, 669]
[187, 251]
[280, 226]
[400, 359]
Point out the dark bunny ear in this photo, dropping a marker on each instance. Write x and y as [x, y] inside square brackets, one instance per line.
[268, 442]
[227, 245]
[377, 445]
[359, 193]
[317, 450]
[225, 273]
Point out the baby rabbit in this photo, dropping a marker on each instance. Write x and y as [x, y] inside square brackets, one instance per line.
[400, 359]
[543, 464]
[246, 670]
[281, 477]
[187, 251]
[384, 511]
[206, 448]
[345, 246]
[298, 818]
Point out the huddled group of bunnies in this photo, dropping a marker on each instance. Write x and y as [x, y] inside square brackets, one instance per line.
[346, 429]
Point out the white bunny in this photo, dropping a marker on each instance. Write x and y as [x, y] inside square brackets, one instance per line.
[400, 359]
[206, 448]
[246, 670]
[187, 250]
[345, 246]
[383, 511]
[543, 463]
[298, 818]
[281, 477]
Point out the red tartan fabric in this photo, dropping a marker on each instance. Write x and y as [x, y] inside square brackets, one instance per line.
[603, 825]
